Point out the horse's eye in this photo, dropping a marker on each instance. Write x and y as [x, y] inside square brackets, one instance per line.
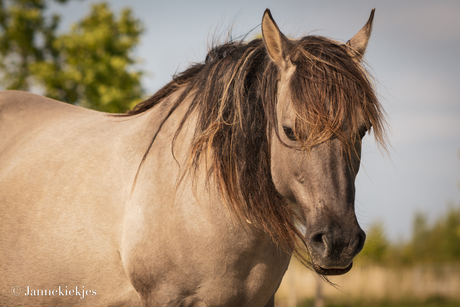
[289, 133]
[362, 133]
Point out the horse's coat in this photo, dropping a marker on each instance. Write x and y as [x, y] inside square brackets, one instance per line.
[199, 195]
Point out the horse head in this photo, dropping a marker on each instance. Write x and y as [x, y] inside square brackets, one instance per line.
[324, 106]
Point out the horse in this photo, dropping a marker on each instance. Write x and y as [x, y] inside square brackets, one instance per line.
[201, 194]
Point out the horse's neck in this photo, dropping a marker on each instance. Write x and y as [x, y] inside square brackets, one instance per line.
[165, 220]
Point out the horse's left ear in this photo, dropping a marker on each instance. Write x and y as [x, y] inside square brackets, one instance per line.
[276, 43]
[360, 40]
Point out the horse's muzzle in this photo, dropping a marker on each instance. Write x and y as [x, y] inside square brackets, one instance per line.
[332, 252]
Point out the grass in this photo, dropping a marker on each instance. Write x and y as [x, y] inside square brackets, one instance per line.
[435, 301]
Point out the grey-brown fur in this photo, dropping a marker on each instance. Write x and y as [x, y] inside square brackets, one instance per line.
[194, 198]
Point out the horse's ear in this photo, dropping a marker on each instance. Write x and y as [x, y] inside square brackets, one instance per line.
[276, 43]
[360, 40]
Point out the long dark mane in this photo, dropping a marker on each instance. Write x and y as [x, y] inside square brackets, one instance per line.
[234, 92]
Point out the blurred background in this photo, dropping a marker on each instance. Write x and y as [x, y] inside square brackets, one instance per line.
[110, 55]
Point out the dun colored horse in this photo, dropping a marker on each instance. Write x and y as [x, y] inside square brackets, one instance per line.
[199, 195]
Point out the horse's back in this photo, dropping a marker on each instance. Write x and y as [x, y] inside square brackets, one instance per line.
[22, 114]
[17, 105]
[17, 101]
[59, 225]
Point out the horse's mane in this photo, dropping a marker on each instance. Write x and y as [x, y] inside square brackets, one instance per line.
[234, 93]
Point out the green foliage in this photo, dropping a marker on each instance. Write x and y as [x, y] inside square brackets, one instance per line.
[91, 65]
[26, 37]
[435, 242]
[95, 60]
[430, 242]
[439, 242]
[377, 246]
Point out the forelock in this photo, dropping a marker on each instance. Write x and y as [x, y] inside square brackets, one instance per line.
[331, 93]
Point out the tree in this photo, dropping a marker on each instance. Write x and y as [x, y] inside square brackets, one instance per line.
[92, 65]
[438, 242]
[26, 37]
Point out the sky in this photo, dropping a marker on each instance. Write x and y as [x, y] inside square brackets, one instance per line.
[413, 54]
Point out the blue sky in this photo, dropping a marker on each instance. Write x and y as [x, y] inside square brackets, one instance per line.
[413, 54]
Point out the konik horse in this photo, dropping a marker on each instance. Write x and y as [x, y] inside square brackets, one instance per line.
[200, 195]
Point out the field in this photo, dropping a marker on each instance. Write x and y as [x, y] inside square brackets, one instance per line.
[429, 284]
[435, 301]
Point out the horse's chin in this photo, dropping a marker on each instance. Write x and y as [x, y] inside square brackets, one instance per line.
[329, 272]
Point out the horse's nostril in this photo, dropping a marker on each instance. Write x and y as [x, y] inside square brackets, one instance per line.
[318, 238]
[319, 243]
[327, 245]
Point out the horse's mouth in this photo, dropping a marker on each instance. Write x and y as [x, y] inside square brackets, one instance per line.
[323, 271]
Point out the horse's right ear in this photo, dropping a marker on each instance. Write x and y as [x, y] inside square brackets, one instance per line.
[276, 43]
